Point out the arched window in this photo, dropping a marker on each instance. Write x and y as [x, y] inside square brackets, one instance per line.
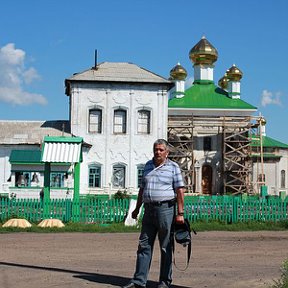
[283, 178]
[143, 122]
[94, 175]
[118, 177]
[95, 121]
[120, 121]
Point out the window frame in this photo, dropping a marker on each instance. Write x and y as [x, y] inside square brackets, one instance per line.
[122, 167]
[147, 125]
[207, 143]
[95, 175]
[60, 182]
[99, 124]
[27, 180]
[123, 117]
[140, 167]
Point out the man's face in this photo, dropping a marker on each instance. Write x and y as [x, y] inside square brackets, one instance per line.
[160, 153]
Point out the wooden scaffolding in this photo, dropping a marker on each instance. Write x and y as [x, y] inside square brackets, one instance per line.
[235, 134]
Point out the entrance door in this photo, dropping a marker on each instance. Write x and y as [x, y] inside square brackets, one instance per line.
[206, 179]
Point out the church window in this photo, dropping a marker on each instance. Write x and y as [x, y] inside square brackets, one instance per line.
[95, 121]
[118, 177]
[143, 124]
[94, 176]
[120, 121]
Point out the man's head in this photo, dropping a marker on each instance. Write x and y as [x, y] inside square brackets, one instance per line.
[161, 151]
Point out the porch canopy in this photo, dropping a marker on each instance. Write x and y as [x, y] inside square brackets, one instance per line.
[62, 150]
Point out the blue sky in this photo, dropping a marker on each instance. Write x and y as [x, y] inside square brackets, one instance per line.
[44, 42]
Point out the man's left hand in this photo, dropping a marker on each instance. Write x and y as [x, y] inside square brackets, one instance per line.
[179, 219]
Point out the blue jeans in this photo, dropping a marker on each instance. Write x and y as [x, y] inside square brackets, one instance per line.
[156, 220]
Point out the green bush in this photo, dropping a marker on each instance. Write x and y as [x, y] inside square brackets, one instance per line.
[122, 194]
[283, 281]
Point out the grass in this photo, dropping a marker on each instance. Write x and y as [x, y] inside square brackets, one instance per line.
[283, 281]
[75, 227]
[240, 226]
[121, 228]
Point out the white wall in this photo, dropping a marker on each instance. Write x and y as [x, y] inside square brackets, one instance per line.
[130, 149]
[272, 171]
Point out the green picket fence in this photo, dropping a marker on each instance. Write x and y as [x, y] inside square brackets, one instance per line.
[228, 209]
[233, 209]
[85, 211]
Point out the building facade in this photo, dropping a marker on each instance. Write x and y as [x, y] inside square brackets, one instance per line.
[120, 109]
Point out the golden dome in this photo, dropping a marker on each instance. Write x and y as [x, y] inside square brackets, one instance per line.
[203, 53]
[262, 121]
[178, 72]
[234, 73]
[223, 82]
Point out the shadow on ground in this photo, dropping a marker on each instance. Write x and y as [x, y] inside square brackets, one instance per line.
[93, 277]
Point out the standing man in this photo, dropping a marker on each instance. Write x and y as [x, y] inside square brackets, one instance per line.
[162, 188]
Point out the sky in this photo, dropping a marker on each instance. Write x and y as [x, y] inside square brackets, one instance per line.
[42, 43]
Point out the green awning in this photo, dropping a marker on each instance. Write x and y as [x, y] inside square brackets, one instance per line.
[25, 157]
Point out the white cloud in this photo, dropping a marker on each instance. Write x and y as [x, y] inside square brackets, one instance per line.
[13, 75]
[30, 75]
[11, 56]
[269, 98]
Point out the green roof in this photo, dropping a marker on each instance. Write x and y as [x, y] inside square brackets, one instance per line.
[206, 95]
[267, 142]
[63, 139]
[25, 156]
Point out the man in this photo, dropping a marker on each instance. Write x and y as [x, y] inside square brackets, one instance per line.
[161, 189]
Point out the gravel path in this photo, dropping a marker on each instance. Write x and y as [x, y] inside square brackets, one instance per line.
[220, 259]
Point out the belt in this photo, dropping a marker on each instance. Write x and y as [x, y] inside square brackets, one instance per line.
[160, 203]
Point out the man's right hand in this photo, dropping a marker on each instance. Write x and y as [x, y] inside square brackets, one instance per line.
[135, 213]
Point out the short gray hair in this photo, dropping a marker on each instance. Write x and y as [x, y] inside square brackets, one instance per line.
[162, 142]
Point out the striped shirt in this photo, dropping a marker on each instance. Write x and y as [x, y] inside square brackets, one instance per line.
[160, 183]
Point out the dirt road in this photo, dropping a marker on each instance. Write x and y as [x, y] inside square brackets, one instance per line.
[220, 259]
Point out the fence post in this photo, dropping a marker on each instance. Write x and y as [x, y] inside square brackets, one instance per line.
[46, 191]
[76, 195]
[234, 216]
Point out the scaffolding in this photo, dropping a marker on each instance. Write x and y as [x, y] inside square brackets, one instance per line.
[235, 134]
[180, 137]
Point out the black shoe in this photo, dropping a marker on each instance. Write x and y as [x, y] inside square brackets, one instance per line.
[162, 285]
[132, 285]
